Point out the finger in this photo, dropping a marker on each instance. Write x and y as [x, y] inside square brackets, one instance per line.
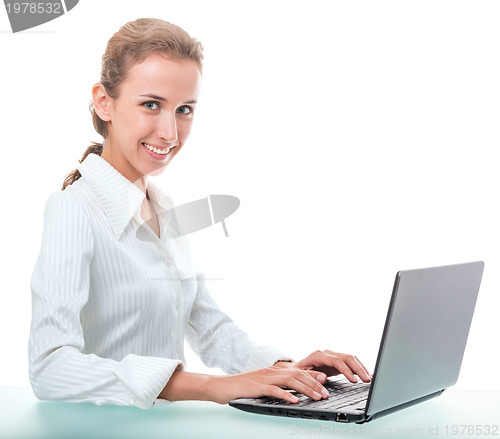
[365, 369]
[303, 383]
[336, 361]
[333, 363]
[278, 392]
[294, 384]
[274, 380]
[354, 364]
[314, 379]
[318, 376]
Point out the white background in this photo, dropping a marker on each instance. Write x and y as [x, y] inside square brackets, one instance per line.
[360, 137]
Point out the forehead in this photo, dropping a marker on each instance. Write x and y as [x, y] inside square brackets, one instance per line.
[164, 75]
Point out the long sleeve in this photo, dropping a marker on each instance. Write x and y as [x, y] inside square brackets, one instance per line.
[220, 343]
[59, 368]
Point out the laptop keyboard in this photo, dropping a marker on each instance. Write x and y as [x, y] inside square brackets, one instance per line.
[342, 394]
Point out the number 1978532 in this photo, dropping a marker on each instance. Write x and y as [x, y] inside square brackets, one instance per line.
[471, 430]
[34, 8]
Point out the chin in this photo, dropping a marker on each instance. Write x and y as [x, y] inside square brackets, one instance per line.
[157, 171]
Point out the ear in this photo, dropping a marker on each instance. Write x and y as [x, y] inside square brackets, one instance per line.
[102, 102]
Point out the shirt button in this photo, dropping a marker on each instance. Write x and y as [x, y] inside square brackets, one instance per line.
[167, 262]
[178, 304]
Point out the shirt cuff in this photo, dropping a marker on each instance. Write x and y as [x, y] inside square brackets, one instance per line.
[145, 376]
[264, 356]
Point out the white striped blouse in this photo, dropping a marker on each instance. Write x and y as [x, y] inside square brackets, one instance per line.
[111, 311]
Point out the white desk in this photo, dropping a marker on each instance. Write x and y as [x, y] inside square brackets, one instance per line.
[454, 414]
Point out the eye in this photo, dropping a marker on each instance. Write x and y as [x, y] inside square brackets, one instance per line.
[151, 105]
[185, 109]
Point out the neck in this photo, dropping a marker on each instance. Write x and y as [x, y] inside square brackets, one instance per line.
[124, 167]
[142, 184]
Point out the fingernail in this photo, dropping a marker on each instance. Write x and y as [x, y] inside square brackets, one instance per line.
[295, 399]
[317, 395]
[325, 393]
[321, 377]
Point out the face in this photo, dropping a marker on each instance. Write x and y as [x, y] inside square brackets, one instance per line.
[150, 120]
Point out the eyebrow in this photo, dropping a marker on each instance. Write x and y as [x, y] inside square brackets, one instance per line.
[159, 98]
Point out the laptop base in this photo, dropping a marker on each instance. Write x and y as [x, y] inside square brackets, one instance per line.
[322, 415]
[298, 413]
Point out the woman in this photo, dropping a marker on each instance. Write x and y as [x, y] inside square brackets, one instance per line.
[111, 311]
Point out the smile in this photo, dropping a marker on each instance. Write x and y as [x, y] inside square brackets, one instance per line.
[157, 150]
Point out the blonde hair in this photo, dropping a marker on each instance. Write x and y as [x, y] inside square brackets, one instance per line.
[133, 43]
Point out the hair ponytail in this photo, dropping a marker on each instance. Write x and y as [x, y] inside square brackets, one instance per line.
[135, 41]
[95, 148]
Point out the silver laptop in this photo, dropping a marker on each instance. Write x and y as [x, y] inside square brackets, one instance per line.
[420, 353]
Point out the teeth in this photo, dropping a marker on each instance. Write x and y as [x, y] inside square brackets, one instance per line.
[156, 150]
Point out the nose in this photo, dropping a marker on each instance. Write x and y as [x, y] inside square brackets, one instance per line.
[167, 127]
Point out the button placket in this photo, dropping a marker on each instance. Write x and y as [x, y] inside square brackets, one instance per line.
[178, 317]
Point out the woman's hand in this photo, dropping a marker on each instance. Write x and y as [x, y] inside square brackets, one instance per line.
[331, 363]
[271, 381]
[304, 376]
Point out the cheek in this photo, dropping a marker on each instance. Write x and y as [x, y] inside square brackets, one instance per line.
[183, 129]
[136, 125]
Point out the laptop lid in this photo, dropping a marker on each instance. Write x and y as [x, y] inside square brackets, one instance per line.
[425, 334]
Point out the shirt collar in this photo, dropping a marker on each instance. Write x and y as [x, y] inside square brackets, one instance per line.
[161, 204]
[161, 200]
[118, 196]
